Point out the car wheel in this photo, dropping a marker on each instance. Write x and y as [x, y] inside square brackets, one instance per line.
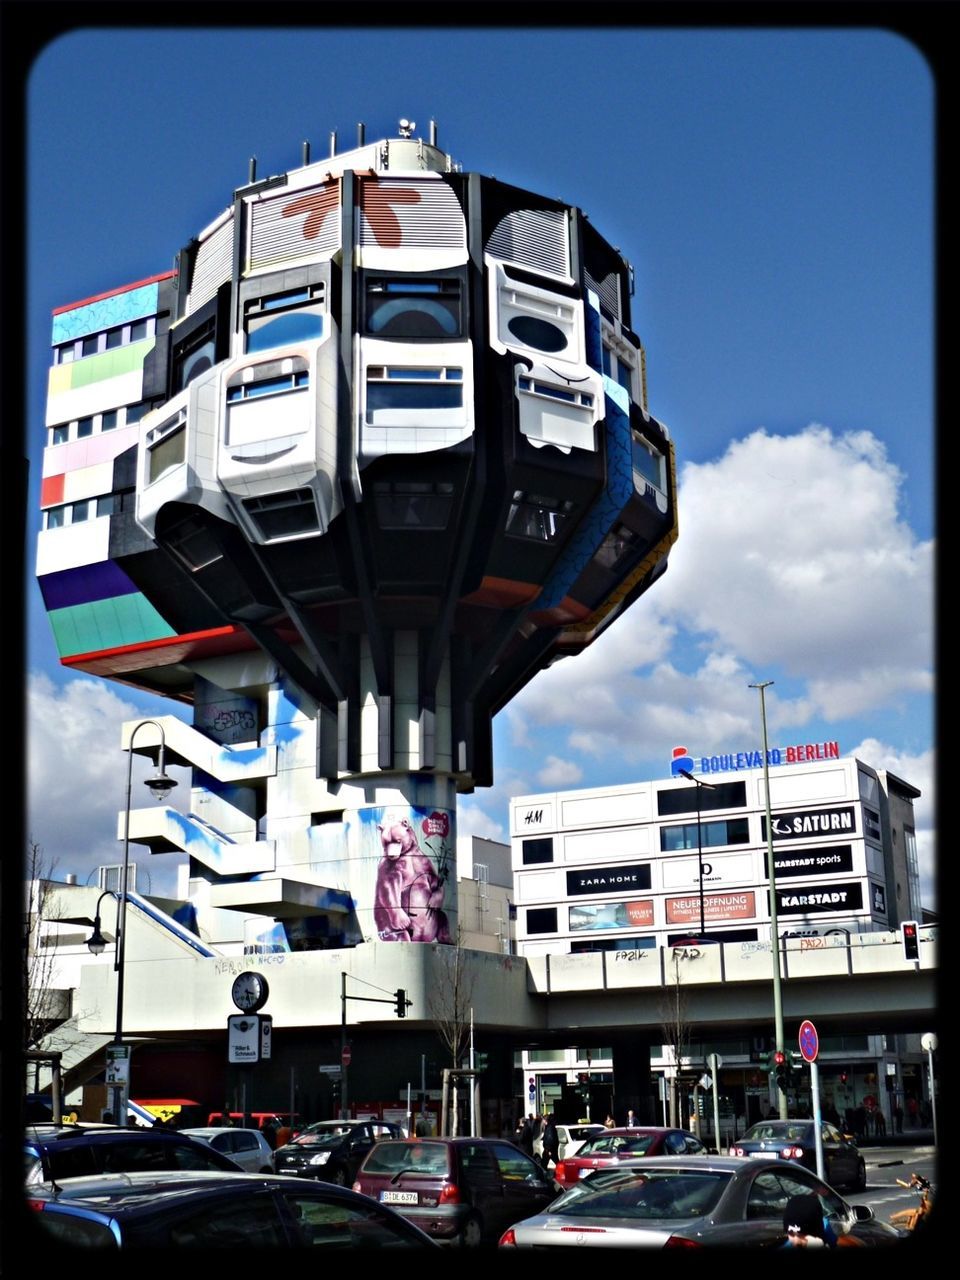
[339, 1179]
[861, 1181]
[471, 1233]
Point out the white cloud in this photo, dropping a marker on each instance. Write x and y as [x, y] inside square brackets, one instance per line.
[792, 557]
[77, 779]
[559, 773]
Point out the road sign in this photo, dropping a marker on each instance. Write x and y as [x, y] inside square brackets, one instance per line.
[118, 1065]
[809, 1041]
[243, 1038]
[345, 1055]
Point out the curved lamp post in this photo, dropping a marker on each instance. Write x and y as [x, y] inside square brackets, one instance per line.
[160, 786]
[698, 783]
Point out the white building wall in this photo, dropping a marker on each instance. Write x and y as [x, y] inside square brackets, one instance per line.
[598, 866]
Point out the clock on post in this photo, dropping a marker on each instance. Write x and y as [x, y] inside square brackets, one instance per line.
[250, 992]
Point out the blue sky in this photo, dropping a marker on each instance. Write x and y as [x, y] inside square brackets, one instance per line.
[774, 191]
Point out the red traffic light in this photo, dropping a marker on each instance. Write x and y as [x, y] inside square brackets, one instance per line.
[779, 1058]
[911, 940]
[843, 1077]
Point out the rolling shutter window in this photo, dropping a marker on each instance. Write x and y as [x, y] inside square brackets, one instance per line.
[295, 225]
[212, 265]
[535, 238]
[608, 290]
[411, 214]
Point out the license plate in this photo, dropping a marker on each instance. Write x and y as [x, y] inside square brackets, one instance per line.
[399, 1197]
[761, 1155]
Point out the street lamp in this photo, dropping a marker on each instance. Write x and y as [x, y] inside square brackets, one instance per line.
[710, 786]
[160, 786]
[774, 927]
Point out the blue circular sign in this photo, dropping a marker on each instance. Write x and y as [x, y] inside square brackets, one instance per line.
[809, 1041]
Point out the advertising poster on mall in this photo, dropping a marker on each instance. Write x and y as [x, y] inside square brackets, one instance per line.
[716, 906]
[403, 873]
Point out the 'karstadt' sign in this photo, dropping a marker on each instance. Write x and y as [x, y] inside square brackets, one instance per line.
[818, 898]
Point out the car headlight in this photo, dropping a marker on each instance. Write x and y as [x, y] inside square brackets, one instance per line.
[320, 1158]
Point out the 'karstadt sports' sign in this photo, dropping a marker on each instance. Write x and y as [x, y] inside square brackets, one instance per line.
[836, 858]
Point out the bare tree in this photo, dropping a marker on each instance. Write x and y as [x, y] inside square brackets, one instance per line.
[39, 956]
[451, 1001]
[450, 1007]
[675, 1026]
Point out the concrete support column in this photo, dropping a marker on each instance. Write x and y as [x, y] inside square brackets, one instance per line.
[632, 1087]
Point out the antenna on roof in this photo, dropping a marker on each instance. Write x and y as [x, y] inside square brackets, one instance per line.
[407, 127]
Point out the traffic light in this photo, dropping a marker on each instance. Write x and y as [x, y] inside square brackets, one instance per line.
[911, 940]
[402, 1002]
[766, 1062]
[780, 1069]
[843, 1077]
[480, 1061]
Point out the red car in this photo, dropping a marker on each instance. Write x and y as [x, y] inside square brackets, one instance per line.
[608, 1148]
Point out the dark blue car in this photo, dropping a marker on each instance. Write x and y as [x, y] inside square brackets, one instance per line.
[213, 1211]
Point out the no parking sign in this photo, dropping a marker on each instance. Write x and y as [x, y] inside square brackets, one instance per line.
[809, 1041]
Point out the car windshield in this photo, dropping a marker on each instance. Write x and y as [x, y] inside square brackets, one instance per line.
[399, 1158]
[618, 1144]
[314, 1136]
[668, 1194]
[784, 1131]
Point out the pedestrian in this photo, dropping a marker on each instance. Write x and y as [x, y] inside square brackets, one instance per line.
[550, 1142]
[897, 1118]
[880, 1123]
[283, 1135]
[912, 1111]
[631, 1119]
[609, 1123]
[525, 1135]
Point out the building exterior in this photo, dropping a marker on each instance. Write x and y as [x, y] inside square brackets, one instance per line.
[375, 452]
[621, 868]
[628, 869]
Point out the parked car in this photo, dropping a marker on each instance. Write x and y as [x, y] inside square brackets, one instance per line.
[843, 1165]
[462, 1191]
[609, 1147]
[60, 1152]
[248, 1147]
[214, 1210]
[332, 1150]
[690, 1201]
[571, 1138]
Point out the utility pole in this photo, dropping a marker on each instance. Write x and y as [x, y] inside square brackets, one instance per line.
[774, 928]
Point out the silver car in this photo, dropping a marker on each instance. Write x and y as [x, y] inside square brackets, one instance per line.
[248, 1147]
[662, 1203]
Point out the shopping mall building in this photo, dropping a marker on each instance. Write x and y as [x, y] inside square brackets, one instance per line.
[683, 862]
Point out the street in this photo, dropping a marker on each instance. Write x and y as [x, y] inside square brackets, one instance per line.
[884, 1166]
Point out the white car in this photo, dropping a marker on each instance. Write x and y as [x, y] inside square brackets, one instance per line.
[248, 1147]
[571, 1138]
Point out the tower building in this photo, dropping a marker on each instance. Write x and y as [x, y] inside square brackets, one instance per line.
[375, 452]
